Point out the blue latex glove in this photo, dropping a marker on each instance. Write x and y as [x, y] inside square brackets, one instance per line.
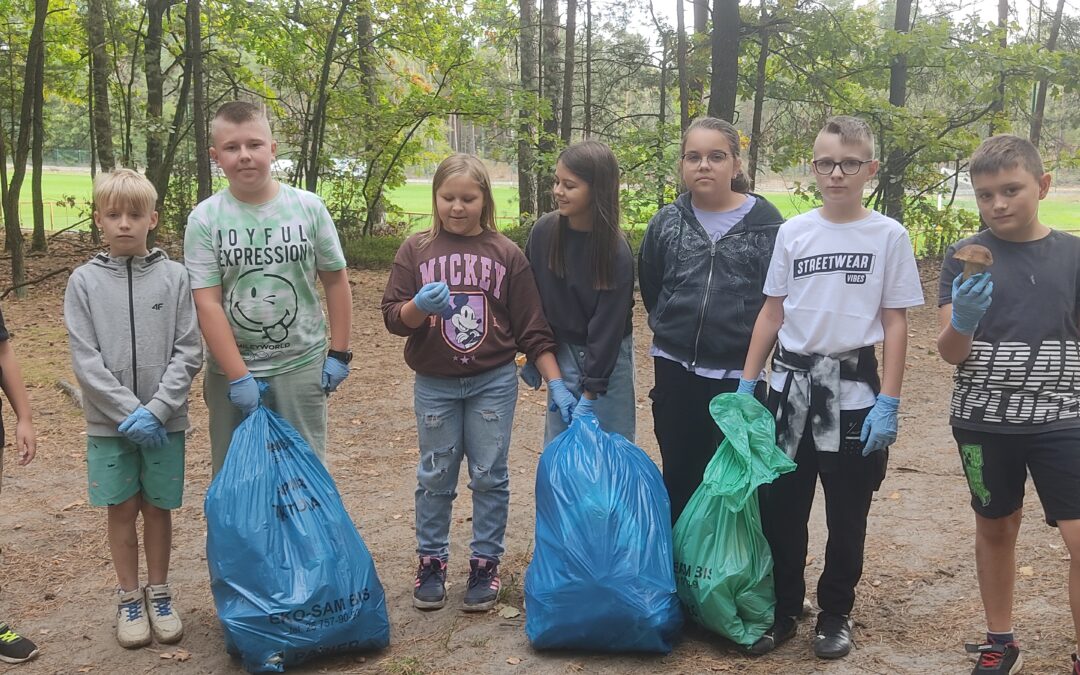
[563, 400]
[970, 300]
[144, 429]
[334, 372]
[746, 386]
[433, 298]
[880, 426]
[244, 394]
[584, 407]
[531, 376]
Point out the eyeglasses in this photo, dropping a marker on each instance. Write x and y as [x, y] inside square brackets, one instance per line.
[848, 167]
[715, 157]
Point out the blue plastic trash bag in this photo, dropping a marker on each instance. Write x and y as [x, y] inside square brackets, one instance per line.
[723, 563]
[602, 576]
[291, 577]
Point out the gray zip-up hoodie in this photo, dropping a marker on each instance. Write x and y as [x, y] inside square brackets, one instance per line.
[134, 339]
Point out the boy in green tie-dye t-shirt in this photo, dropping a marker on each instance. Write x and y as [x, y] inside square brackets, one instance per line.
[253, 253]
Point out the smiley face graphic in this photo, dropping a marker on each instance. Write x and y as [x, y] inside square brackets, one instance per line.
[264, 304]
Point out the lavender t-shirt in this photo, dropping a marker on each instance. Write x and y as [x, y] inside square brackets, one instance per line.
[719, 223]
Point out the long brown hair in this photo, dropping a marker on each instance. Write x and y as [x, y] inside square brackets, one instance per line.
[595, 164]
[456, 165]
[739, 182]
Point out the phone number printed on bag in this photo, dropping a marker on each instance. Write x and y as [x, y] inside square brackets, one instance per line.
[691, 575]
[323, 614]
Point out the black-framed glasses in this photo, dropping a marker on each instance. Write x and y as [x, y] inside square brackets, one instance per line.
[714, 157]
[848, 167]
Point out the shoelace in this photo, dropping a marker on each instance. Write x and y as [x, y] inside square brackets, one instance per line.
[482, 576]
[162, 606]
[134, 610]
[9, 636]
[425, 572]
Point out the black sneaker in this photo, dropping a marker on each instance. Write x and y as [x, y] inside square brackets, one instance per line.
[13, 647]
[832, 639]
[430, 589]
[484, 584]
[1076, 665]
[996, 658]
[782, 630]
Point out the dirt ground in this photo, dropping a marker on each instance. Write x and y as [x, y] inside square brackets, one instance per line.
[916, 606]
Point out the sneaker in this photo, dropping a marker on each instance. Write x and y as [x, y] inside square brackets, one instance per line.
[164, 621]
[430, 589]
[14, 648]
[996, 658]
[782, 630]
[832, 639]
[484, 584]
[1075, 662]
[132, 626]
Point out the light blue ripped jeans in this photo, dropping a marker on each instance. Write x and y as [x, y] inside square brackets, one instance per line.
[468, 417]
[617, 409]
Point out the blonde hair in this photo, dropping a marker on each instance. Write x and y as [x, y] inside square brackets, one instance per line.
[460, 165]
[124, 187]
[851, 130]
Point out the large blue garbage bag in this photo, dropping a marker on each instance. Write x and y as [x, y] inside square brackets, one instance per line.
[602, 575]
[291, 577]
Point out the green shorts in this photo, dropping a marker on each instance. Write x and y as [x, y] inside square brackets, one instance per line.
[118, 469]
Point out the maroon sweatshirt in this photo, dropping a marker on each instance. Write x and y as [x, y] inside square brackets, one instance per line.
[495, 310]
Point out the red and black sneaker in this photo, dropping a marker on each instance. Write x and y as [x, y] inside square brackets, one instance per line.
[1076, 665]
[484, 584]
[429, 591]
[996, 658]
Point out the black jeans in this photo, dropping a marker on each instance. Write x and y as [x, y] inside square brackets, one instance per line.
[685, 430]
[849, 481]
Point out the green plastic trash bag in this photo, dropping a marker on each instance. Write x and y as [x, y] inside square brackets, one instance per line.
[723, 567]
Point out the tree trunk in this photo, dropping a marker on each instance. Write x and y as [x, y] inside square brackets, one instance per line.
[1003, 42]
[198, 101]
[661, 175]
[95, 234]
[369, 73]
[38, 242]
[892, 174]
[759, 98]
[526, 137]
[318, 117]
[680, 50]
[568, 73]
[31, 82]
[696, 83]
[550, 82]
[99, 83]
[588, 69]
[1040, 95]
[155, 92]
[725, 59]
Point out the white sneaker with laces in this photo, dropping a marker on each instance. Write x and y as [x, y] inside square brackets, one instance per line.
[132, 626]
[164, 621]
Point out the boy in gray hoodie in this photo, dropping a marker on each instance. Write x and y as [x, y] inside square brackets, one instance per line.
[135, 347]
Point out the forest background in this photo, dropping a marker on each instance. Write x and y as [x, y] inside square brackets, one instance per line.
[367, 96]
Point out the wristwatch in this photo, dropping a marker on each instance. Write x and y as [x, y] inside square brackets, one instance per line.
[344, 356]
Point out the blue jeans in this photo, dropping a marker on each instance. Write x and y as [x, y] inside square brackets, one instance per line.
[617, 409]
[468, 417]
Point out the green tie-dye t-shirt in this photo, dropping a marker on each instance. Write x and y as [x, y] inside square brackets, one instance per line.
[266, 258]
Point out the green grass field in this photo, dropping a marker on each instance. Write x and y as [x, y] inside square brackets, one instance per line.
[1060, 210]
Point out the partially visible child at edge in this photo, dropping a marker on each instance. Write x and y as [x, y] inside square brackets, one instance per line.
[464, 296]
[841, 280]
[13, 647]
[135, 348]
[702, 266]
[584, 271]
[254, 251]
[1015, 405]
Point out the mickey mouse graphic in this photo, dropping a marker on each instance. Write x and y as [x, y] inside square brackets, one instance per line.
[464, 321]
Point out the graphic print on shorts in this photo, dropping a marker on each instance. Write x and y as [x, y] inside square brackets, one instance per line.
[464, 325]
[264, 305]
[972, 457]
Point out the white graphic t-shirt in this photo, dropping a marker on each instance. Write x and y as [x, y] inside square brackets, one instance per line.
[266, 259]
[835, 279]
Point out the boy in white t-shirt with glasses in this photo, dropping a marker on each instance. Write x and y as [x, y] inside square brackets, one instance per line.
[841, 280]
